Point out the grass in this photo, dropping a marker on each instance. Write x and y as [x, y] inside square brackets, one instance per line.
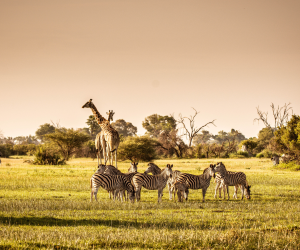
[48, 207]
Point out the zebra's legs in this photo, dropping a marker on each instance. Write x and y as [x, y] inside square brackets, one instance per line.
[170, 191]
[235, 191]
[138, 194]
[243, 189]
[94, 192]
[227, 187]
[220, 192]
[160, 191]
[203, 194]
[216, 190]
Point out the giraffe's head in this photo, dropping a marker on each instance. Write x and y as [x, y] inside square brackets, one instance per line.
[110, 115]
[89, 104]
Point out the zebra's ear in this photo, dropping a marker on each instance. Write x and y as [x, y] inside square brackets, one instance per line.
[171, 166]
[137, 164]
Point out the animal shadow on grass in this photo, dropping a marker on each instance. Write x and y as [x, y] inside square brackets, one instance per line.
[51, 221]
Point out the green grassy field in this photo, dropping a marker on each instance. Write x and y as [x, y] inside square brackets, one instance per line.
[49, 207]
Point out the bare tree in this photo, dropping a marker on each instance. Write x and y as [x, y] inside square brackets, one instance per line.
[192, 131]
[280, 114]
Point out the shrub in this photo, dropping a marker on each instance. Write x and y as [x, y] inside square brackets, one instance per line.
[47, 156]
[246, 154]
[265, 154]
[137, 148]
[293, 166]
[236, 155]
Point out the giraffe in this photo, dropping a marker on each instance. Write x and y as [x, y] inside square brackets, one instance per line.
[111, 136]
[100, 141]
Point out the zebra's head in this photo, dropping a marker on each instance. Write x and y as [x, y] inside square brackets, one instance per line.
[101, 169]
[220, 167]
[247, 192]
[168, 170]
[131, 195]
[133, 167]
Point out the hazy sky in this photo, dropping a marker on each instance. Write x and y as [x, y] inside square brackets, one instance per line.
[224, 58]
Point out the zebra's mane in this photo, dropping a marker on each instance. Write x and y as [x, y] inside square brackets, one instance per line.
[155, 169]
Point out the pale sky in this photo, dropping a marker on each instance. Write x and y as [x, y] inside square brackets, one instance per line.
[224, 58]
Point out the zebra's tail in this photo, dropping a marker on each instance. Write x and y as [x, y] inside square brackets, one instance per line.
[91, 183]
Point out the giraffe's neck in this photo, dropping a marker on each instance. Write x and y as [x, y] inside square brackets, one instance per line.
[99, 118]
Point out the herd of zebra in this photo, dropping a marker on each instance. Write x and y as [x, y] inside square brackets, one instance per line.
[116, 183]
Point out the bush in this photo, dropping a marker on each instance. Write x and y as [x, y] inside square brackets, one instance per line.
[236, 156]
[265, 154]
[137, 148]
[290, 166]
[47, 156]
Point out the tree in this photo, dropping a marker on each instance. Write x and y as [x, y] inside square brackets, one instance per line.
[264, 138]
[93, 126]
[193, 130]
[286, 140]
[155, 124]
[43, 130]
[67, 140]
[124, 128]
[171, 143]
[137, 148]
[202, 137]
[280, 115]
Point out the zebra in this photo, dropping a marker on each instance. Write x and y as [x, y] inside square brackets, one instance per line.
[182, 190]
[198, 181]
[111, 170]
[155, 170]
[133, 167]
[152, 182]
[114, 183]
[101, 169]
[218, 181]
[232, 179]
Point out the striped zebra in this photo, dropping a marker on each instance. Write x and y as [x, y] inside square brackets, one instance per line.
[237, 179]
[133, 167]
[219, 186]
[111, 170]
[155, 170]
[114, 183]
[198, 181]
[101, 169]
[182, 190]
[152, 182]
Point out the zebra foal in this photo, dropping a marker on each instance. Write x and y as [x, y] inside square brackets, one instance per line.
[181, 189]
[115, 183]
[227, 178]
[152, 182]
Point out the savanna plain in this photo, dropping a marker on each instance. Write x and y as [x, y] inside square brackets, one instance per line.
[48, 207]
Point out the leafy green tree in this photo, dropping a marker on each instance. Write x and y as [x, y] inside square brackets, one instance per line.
[124, 128]
[137, 148]
[43, 130]
[202, 137]
[287, 139]
[264, 138]
[67, 141]
[250, 144]
[93, 126]
[155, 124]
